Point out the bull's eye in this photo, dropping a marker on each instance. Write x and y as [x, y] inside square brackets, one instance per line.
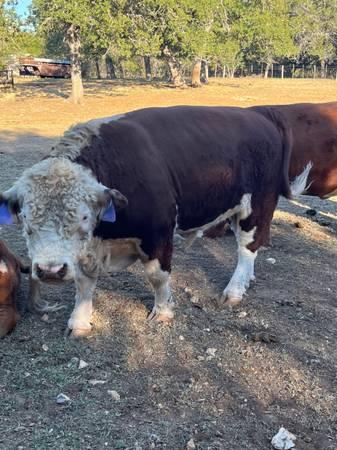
[85, 218]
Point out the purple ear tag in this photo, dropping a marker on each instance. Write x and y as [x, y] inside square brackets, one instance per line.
[5, 215]
[110, 213]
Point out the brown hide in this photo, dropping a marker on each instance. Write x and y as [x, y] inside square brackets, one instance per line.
[9, 284]
[314, 128]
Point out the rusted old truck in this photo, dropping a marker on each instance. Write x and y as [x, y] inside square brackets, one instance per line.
[43, 68]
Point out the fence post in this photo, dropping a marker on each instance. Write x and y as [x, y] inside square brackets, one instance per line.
[282, 72]
[272, 70]
[303, 71]
[251, 69]
[215, 70]
[293, 71]
[315, 68]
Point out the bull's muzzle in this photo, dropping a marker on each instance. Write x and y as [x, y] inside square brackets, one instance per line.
[51, 272]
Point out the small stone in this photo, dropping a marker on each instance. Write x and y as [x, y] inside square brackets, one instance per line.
[271, 260]
[194, 299]
[181, 338]
[211, 351]
[114, 395]
[61, 399]
[190, 445]
[45, 347]
[283, 440]
[82, 364]
[45, 318]
[200, 358]
[242, 314]
[94, 382]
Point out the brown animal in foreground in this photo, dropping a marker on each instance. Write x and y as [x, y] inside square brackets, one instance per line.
[10, 269]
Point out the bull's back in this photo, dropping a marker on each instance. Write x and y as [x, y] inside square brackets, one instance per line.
[200, 160]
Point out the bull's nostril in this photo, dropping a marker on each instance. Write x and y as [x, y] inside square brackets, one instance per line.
[62, 272]
[39, 271]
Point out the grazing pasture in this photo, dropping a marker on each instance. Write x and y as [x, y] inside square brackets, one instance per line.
[228, 379]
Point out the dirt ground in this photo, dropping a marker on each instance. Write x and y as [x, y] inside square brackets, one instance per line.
[226, 379]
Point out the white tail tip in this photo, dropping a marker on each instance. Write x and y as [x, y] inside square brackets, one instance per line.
[299, 185]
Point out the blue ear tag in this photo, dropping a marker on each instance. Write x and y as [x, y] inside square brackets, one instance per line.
[110, 213]
[5, 215]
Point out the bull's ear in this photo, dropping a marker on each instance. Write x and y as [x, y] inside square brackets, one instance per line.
[9, 207]
[5, 215]
[112, 201]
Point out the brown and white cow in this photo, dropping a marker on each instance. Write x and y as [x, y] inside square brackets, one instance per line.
[10, 269]
[314, 130]
[115, 190]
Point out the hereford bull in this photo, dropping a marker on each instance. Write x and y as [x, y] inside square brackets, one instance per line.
[10, 269]
[115, 190]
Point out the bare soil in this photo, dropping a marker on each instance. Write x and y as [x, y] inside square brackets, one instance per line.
[229, 379]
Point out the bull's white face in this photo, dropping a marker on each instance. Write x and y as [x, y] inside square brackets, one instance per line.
[59, 204]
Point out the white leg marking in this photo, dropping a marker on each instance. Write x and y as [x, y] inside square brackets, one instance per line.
[299, 185]
[80, 318]
[160, 281]
[244, 272]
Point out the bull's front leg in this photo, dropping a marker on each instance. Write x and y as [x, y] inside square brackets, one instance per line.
[80, 320]
[158, 270]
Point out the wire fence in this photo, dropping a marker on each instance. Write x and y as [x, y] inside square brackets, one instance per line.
[288, 71]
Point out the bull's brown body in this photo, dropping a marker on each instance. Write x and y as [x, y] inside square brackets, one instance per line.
[10, 268]
[314, 130]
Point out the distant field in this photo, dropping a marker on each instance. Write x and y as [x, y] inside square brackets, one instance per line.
[42, 105]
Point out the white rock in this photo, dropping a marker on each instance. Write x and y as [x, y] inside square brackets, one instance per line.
[242, 314]
[114, 395]
[94, 382]
[45, 347]
[61, 399]
[82, 364]
[45, 318]
[271, 260]
[181, 338]
[211, 351]
[283, 440]
[190, 445]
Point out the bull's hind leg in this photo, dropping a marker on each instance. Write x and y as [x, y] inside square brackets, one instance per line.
[251, 232]
[157, 270]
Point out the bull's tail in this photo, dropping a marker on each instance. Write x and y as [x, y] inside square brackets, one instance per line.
[300, 183]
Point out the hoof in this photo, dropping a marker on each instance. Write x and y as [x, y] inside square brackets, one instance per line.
[79, 333]
[161, 316]
[232, 302]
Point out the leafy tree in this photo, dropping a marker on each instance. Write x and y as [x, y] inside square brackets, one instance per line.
[78, 21]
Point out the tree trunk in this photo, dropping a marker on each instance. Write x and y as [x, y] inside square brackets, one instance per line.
[110, 68]
[174, 67]
[323, 74]
[147, 64]
[266, 70]
[196, 74]
[215, 70]
[204, 77]
[98, 72]
[74, 42]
